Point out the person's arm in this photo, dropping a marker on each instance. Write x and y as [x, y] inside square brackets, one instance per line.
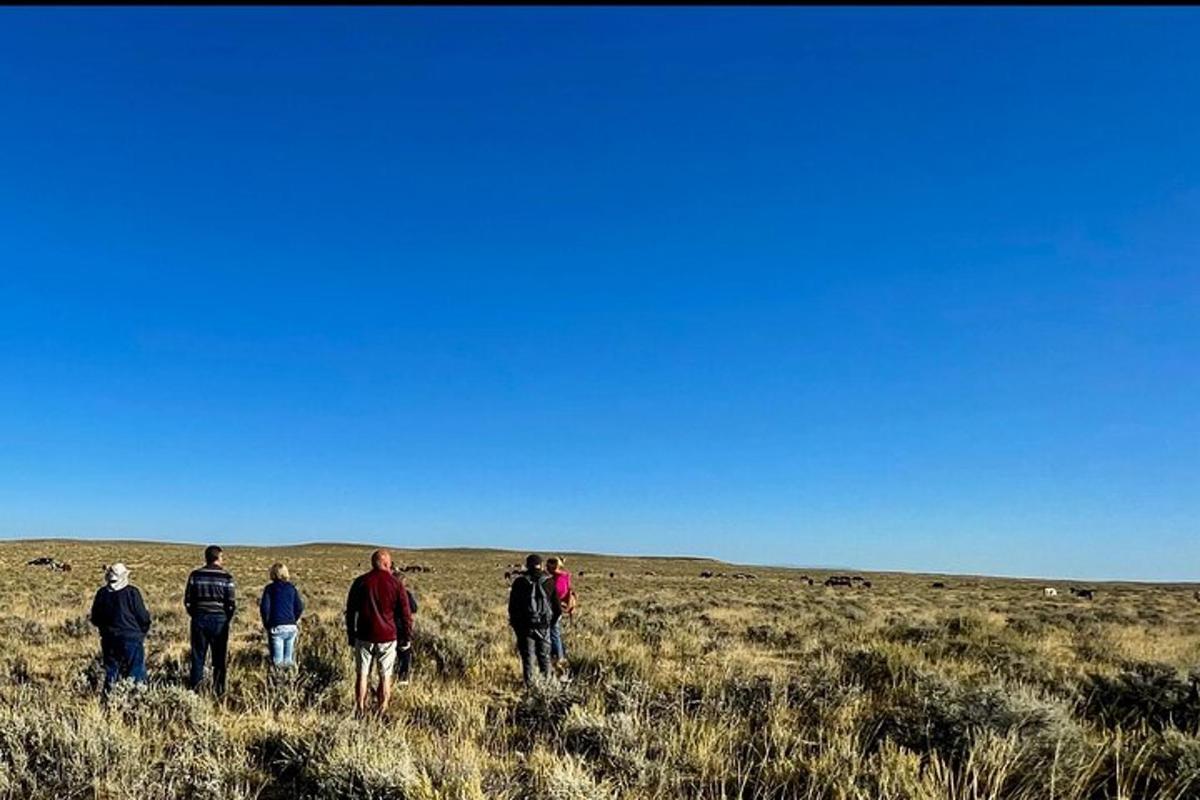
[513, 604]
[94, 614]
[230, 599]
[140, 612]
[403, 616]
[189, 596]
[555, 604]
[264, 606]
[352, 612]
[299, 603]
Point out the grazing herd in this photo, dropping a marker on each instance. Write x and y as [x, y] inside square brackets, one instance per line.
[47, 561]
[847, 581]
[512, 570]
[832, 582]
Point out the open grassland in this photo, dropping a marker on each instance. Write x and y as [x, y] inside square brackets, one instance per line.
[685, 687]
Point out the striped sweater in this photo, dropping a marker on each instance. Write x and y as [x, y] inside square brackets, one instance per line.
[209, 591]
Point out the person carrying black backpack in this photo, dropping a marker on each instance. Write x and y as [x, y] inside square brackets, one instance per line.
[533, 608]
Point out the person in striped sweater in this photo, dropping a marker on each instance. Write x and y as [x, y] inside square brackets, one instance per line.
[210, 602]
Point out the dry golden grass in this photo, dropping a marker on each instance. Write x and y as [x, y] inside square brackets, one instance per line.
[685, 687]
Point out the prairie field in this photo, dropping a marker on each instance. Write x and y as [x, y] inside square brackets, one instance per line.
[684, 686]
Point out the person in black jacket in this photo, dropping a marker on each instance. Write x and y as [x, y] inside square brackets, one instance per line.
[405, 657]
[120, 614]
[210, 603]
[533, 609]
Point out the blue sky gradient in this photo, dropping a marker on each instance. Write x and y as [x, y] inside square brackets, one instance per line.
[896, 289]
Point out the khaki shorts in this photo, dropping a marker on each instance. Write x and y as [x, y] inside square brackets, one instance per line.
[368, 653]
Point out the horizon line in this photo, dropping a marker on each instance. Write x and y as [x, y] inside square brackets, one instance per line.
[677, 557]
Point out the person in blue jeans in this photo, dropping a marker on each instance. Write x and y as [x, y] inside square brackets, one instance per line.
[120, 614]
[209, 600]
[281, 608]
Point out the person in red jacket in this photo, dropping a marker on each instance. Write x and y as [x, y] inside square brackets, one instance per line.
[378, 623]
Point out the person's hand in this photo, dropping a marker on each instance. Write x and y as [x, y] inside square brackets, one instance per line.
[407, 645]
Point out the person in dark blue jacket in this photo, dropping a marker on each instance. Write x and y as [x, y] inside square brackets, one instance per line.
[120, 614]
[281, 607]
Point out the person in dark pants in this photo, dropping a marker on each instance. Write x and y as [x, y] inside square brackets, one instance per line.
[405, 657]
[533, 609]
[209, 600]
[120, 614]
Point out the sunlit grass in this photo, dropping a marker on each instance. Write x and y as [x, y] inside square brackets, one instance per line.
[684, 687]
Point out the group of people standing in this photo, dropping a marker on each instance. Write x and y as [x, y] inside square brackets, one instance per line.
[537, 603]
[210, 598]
[379, 622]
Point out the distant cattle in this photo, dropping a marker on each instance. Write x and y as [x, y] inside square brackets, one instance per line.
[866, 584]
[805, 579]
[1050, 591]
[612, 574]
[1084, 594]
[47, 561]
[1197, 596]
[837, 580]
[858, 579]
[579, 574]
[938, 585]
[706, 574]
[412, 568]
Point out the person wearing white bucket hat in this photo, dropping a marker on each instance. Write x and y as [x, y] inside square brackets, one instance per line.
[120, 614]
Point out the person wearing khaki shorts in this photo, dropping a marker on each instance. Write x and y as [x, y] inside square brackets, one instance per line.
[378, 624]
[371, 653]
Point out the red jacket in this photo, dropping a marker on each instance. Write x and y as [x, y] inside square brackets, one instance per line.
[377, 609]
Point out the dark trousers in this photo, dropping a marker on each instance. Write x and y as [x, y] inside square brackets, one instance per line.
[123, 658]
[534, 646]
[404, 664]
[210, 631]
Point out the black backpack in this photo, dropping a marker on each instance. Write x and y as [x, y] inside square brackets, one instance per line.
[538, 611]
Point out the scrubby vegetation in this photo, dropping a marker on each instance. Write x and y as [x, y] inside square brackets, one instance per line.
[685, 687]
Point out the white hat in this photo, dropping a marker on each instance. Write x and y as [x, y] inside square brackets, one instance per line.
[117, 576]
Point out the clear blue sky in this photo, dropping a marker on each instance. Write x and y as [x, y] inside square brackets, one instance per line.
[900, 289]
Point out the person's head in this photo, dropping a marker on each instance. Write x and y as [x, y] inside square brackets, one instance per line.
[553, 563]
[381, 559]
[212, 555]
[279, 572]
[116, 576]
[533, 562]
